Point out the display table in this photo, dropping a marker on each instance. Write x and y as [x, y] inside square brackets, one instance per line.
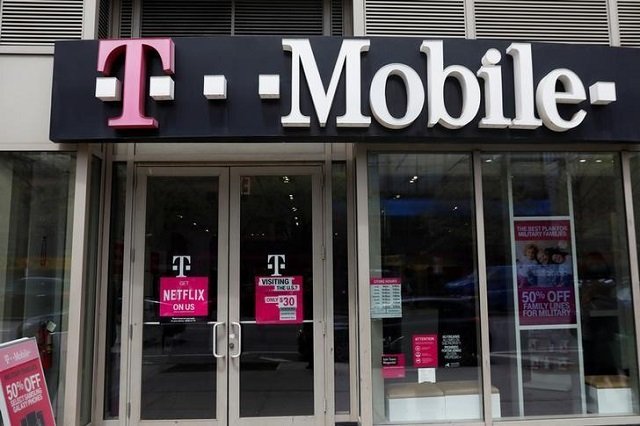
[413, 401]
[609, 394]
[455, 400]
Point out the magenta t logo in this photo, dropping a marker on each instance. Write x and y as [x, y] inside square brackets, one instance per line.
[135, 76]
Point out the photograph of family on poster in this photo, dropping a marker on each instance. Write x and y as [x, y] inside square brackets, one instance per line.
[544, 271]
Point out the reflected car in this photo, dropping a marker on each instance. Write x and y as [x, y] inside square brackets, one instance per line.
[30, 304]
[499, 287]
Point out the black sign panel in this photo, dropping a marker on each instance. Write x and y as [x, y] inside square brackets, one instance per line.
[77, 115]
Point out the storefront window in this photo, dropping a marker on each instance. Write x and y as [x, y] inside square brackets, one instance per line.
[560, 309]
[36, 211]
[424, 305]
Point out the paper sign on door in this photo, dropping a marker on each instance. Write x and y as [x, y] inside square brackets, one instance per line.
[184, 299]
[279, 300]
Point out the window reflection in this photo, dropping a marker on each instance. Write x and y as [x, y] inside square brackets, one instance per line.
[36, 203]
[559, 365]
[424, 316]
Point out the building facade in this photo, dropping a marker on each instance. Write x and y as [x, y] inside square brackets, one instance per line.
[372, 212]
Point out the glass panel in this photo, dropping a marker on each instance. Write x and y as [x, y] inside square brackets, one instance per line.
[91, 278]
[114, 292]
[178, 367]
[340, 289]
[424, 313]
[276, 364]
[36, 213]
[560, 310]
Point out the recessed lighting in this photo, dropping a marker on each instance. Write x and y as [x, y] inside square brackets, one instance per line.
[488, 160]
[598, 161]
[397, 196]
[583, 160]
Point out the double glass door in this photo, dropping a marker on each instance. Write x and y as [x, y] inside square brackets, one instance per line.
[227, 307]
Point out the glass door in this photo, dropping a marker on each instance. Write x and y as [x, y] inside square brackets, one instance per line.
[227, 307]
[179, 296]
[276, 373]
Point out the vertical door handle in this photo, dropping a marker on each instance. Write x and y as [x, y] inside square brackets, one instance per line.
[215, 340]
[238, 337]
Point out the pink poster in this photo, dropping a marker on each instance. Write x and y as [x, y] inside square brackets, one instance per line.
[184, 299]
[425, 350]
[544, 271]
[25, 399]
[393, 366]
[279, 300]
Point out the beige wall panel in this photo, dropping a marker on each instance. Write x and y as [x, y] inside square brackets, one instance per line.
[230, 151]
[25, 100]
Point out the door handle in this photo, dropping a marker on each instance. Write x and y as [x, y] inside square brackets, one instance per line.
[215, 340]
[239, 338]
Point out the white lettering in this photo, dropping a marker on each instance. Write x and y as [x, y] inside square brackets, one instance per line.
[436, 76]
[547, 99]
[523, 87]
[492, 76]
[349, 58]
[528, 100]
[378, 96]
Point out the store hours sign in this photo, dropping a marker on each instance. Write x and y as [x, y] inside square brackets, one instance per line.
[271, 88]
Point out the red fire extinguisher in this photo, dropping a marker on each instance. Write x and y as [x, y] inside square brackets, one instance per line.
[45, 343]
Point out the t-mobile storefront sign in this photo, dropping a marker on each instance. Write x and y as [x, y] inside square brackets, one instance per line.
[299, 89]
